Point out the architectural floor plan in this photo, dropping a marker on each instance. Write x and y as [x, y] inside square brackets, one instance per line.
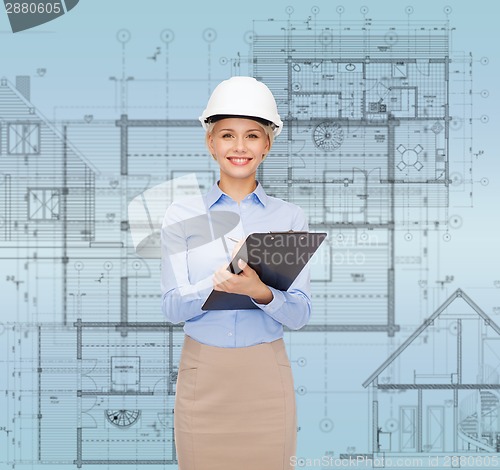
[377, 149]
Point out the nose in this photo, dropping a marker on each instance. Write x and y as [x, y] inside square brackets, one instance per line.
[239, 144]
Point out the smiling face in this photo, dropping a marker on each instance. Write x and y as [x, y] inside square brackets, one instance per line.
[238, 145]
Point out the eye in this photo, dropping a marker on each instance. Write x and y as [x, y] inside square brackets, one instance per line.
[253, 136]
[226, 135]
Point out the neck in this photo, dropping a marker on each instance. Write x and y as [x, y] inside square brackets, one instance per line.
[239, 189]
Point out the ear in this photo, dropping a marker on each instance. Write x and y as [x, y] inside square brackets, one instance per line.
[268, 146]
[210, 143]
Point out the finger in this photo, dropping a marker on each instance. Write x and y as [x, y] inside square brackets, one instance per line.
[218, 284]
[220, 277]
[242, 265]
[247, 270]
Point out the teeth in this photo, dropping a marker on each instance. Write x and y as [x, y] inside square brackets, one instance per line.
[239, 160]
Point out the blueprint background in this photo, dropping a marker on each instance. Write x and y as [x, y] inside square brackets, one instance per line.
[80, 52]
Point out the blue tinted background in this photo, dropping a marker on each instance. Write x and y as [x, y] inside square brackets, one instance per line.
[84, 55]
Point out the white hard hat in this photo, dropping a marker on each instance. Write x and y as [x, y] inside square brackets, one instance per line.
[242, 97]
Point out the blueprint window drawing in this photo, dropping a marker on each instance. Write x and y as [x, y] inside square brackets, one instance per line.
[23, 138]
[43, 204]
[401, 356]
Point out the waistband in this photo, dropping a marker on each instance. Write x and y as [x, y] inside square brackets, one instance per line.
[277, 345]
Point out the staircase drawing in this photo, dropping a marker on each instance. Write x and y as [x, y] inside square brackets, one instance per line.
[479, 426]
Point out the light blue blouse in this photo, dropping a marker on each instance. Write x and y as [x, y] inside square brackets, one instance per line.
[197, 237]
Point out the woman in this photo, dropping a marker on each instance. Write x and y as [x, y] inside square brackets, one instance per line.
[235, 402]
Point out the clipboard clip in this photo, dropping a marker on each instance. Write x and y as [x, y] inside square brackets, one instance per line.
[299, 232]
[290, 231]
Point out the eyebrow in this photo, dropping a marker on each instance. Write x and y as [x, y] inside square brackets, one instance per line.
[248, 130]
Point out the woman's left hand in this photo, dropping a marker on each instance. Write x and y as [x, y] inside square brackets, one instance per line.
[246, 283]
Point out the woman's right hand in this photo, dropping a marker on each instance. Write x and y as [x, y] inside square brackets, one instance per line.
[246, 283]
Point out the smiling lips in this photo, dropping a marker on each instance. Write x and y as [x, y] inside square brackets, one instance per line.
[240, 161]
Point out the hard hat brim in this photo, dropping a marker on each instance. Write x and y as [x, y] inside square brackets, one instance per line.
[219, 117]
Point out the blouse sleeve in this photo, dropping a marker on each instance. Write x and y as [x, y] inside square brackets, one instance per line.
[181, 300]
[292, 308]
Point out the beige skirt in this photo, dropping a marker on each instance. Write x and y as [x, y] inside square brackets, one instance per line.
[235, 408]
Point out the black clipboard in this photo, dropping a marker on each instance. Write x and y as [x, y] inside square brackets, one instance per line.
[277, 257]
